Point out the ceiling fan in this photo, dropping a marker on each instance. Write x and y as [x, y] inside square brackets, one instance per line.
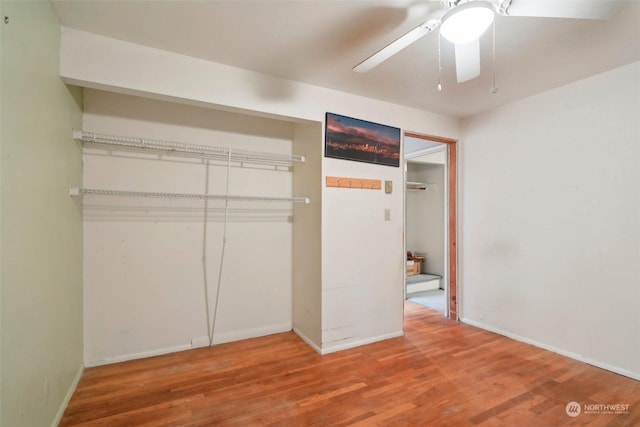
[462, 22]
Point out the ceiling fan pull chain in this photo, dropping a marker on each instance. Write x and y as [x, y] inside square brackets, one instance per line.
[439, 65]
[494, 89]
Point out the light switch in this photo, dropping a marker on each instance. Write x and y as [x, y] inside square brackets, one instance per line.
[388, 187]
[387, 214]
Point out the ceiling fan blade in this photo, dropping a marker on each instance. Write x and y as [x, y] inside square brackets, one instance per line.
[578, 9]
[467, 60]
[396, 46]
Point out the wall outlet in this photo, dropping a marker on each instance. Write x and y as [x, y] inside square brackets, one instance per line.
[387, 214]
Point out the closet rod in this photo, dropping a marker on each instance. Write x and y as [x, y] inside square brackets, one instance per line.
[206, 151]
[420, 186]
[77, 191]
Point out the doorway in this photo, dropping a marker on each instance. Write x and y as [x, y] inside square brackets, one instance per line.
[430, 222]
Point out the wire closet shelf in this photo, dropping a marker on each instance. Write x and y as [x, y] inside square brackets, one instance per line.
[77, 191]
[181, 148]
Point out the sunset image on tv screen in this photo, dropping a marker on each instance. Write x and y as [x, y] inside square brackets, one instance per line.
[362, 141]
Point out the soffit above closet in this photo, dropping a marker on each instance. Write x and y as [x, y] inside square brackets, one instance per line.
[318, 42]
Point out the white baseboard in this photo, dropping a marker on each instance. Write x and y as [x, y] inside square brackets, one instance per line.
[134, 356]
[358, 343]
[67, 397]
[251, 333]
[199, 342]
[606, 366]
[195, 342]
[307, 340]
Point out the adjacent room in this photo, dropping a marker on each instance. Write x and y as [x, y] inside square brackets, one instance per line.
[426, 222]
[319, 213]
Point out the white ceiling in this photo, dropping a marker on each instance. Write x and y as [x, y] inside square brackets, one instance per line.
[319, 41]
[416, 145]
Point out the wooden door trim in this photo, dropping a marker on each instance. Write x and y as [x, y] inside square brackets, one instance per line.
[452, 179]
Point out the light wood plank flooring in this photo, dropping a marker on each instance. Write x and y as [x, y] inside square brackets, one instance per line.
[441, 373]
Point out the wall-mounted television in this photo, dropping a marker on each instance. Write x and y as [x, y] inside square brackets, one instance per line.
[361, 141]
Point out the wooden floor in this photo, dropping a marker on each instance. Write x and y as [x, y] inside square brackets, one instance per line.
[441, 373]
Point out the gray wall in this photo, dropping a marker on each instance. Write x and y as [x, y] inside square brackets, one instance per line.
[41, 253]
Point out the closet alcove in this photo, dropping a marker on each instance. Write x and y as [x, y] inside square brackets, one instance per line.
[164, 273]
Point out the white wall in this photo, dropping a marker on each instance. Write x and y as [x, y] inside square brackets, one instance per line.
[307, 237]
[144, 280]
[363, 264]
[41, 227]
[426, 215]
[551, 219]
[362, 255]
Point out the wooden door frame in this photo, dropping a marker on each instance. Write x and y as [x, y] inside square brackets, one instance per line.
[452, 251]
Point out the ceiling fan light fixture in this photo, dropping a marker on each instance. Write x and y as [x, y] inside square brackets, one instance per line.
[467, 22]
